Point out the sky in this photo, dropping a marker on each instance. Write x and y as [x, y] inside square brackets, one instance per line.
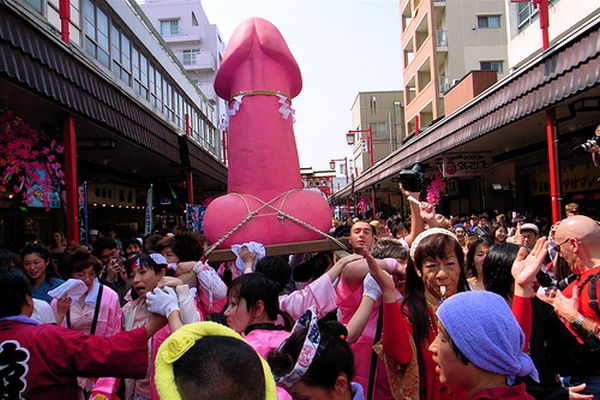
[342, 47]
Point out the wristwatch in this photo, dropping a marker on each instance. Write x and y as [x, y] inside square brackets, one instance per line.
[578, 323]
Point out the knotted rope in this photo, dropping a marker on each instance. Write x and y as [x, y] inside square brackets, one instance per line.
[278, 211]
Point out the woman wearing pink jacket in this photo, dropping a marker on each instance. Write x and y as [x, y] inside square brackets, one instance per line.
[96, 312]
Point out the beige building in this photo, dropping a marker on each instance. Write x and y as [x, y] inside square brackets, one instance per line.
[383, 113]
[525, 35]
[442, 40]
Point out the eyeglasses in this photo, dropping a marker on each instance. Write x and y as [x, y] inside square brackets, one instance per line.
[554, 248]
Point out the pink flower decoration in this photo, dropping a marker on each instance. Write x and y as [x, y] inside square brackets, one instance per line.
[28, 160]
[435, 190]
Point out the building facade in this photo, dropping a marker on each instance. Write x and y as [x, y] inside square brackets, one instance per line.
[95, 77]
[493, 148]
[382, 112]
[442, 41]
[196, 43]
[323, 180]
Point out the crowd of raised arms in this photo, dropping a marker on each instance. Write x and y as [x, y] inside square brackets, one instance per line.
[433, 307]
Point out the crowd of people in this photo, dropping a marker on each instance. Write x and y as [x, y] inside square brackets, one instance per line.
[486, 307]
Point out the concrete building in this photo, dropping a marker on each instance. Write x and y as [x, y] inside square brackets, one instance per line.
[196, 43]
[441, 42]
[493, 148]
[383, 113]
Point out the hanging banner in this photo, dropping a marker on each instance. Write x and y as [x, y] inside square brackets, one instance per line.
[194, 216]
[148, 227]
[83, 213]
[36, 197]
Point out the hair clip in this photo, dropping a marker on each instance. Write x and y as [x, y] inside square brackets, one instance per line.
[343, 337]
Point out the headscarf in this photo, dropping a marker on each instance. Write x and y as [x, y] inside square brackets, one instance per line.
[485, 330]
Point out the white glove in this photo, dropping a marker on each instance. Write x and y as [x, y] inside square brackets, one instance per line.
[162, 301]
[371, 288]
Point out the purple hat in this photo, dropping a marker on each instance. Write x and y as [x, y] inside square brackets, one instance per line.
[485, 330]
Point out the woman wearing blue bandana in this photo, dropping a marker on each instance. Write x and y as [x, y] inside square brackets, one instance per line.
[479, 347]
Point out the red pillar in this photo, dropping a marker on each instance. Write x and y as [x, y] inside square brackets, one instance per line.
[71, 178]
[552, 141]
[69, 142]
[551, 136]
[64, 11]
[370, 130]
[373, 199]
[190, 187]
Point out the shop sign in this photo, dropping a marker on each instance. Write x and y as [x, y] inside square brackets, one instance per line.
[574, 178]
[466, 164]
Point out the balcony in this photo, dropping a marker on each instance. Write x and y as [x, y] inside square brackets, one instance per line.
[175, 34]
[441, 39]
[198, 61]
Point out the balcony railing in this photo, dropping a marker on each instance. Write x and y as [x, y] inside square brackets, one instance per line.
[439, 3]
[198, 60]
[441, 38]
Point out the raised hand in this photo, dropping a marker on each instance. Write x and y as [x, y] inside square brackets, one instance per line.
[526, 266]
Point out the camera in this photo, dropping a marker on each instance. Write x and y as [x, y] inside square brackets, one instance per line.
[587, 146]
[412, 179]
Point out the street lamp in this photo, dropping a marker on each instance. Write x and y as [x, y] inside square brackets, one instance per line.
[345, 160]
[351, 140]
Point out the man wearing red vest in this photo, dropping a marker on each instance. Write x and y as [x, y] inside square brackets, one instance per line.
[44, 361]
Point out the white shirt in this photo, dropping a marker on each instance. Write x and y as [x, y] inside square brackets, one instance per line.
[42, 312]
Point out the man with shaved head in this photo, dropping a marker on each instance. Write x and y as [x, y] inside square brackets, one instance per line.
[577, 240]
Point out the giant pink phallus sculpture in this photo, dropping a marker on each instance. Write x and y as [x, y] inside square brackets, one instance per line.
[266, 203]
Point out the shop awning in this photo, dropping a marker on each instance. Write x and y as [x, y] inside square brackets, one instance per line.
[566, 69]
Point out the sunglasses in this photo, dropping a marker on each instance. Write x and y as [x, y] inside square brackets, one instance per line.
[554, 248]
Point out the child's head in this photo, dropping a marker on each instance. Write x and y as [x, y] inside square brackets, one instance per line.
[253, 298]
[324, 372]
[206, 360]
[478, 336]
[144, 273]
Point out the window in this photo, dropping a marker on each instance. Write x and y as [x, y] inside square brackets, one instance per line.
[194, 19]
[492, 66]
[373, 104]
[189, 56]
[96, 33]
[169, 27]
[121, 54]
[488, 21]
[36, 4]
[378, 128]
